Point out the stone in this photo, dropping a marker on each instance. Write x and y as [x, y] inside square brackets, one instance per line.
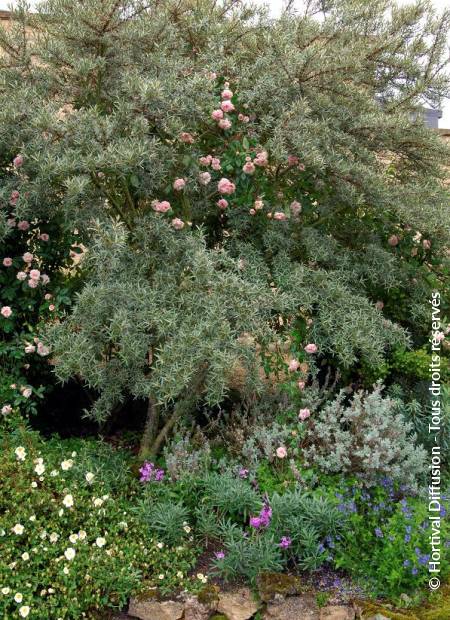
[149, 609]
[295, 607]
[379, 617]
[274, 586]
[237, 605]
[337, 612]
[194, 610]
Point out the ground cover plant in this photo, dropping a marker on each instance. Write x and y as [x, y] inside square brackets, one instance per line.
[224, 230]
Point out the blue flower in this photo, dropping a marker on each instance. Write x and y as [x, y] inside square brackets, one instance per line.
[378, 533]
[406, 563]
[414, 571]
[407, 538]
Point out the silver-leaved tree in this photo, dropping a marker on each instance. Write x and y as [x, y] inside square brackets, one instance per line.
[248, 176]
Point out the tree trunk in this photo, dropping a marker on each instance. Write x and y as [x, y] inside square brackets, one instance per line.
[150, 430]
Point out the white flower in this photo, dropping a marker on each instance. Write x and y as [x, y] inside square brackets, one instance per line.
[68, 501]
[180, 575]
[66, 465]
[82, 534]
[73, 454]
[43, 534]
[73, 538]
[66, 570]
[97, 502]
[100, 542]
[161, 576]
[18, 597]
[187, 529]
[39, 460]
[39, 469]
[160, 545]
[51, 590]
[25, 556]
[26, 392]
[6, 590]
[61, 512]
[54, 537]
[32, 518]
[123, 525]
[69, 553]
[89, 477]
[18, 529]
[20, 453]
[34, 484]
[24, 611]
[54, 473]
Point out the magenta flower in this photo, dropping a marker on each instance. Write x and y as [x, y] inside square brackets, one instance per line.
[285, 542]
[243, 473]
[219, 555]
[255, 522]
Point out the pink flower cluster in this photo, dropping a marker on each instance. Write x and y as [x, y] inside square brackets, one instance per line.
[263, 519]
[225, 186]
[226, 106]
[150, 473]
[161, 206]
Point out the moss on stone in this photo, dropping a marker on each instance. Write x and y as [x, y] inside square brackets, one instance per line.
[270, 584]
[209, 595]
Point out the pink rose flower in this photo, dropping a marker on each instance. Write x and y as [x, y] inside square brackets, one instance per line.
[393, 240]
[179, 184]
[217, 115]
[14, 197]
[23, 225]
[278, 215]
[258, 204]
[47, 296]
[21, 275]
[439, 336]
[212, 75]
[293, 365]
[33, 283]
[28, 257]
[293, 160]
[311, 348]
[304, 414]
[252, 212]
[226, 93]
[227, 106]
[7, 262]
[261, 159]
[301, 167]
[426, 244]
[35, 274]
[224, 123]
[205, 160]
[186, 137]
[204, 178]
[6, 409]
[295, 207]
[281, 452]
[243, 118]
[6, 311]
[215, 163]
[30, 348]
[225, 186]
[222, 203]
[301, 385]
[44, 237]
[249, 167]
[17, 161]
[42, 350]
[26, 392]
[177, 223]
[160, 207]
[45, 279]
[11, 222]
[51, 307]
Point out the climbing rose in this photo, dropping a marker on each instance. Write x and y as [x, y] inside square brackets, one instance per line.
[426, 244]
[186, 137]
[26, 392]
[252, 211]
[217, 115]
[243, 118]
[205, 160]
[6, 311]
[33, 283]
[21, 275]
[28, 257]
[7, 262]
[204, 178]
[30, 348]
[224, 123]
[17, 161]
[259, 204]
[281, 452]
[311, 348]
[295, 207]
[14, 197]
[293, 160]
[261, 159]
[393, 240]
[215, 163]
[278, 215]
[293, 365]
[304, 414]
[35, 274]
[225, 186]
[226, 93]
[161, 207]
[177, 223]
[249, 167]
[44, 237]
[6, 409]
[179, 184]
[45, 279]
[23, 225]
[301, 385]
[222, 203]
[227, 106]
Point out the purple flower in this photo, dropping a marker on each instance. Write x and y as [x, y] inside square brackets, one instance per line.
[255, 522]
[378, 533]
[146, 471]
[443, 511]
[407, 538]
[414, 571]
[159, 475]
[265, 515]
[243, 473]
[219, 555]
[285, 542]
[406, 563]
